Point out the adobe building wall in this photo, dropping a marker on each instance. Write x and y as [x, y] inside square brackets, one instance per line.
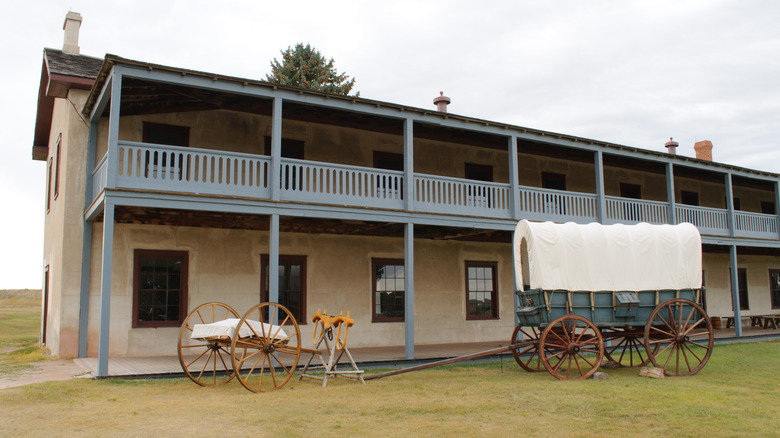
[224, 265]
[718, 282]
[63, 227]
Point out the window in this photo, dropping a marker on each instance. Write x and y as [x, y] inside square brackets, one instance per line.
[388, 290]
[689, 198]
[768, 207]
[481, 290]
[290, 148]
[555, 181]
[742, 285]
[774, 287]
[387, 187]
[48, 187]
[737, 203]
[57, 168]
[172, 135]
[388, 160]
[553, 203]
[479, 172]
[45, 310]
[159, 288]
[292, 284]
[633, 191]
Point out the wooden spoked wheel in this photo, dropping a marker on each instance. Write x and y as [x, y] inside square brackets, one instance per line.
[571, 348]
[681, 336]
[528, 356]
[265, 353]
[628, 347]
[206, 362]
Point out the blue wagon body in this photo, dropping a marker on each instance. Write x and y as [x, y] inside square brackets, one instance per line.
[606, 309]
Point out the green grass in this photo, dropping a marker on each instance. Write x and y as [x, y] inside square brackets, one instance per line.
[736, 394]
[20, 320]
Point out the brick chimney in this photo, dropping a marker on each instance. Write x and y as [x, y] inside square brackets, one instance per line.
[703, 150]
[71, 27]
[441, 102]
[671, 146]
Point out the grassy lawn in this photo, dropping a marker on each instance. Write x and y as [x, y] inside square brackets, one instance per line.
[20, 320]
[736, 394]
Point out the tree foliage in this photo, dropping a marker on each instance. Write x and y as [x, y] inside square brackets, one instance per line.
[305, 67]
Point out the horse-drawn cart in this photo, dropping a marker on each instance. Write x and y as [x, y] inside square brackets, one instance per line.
[631, 293]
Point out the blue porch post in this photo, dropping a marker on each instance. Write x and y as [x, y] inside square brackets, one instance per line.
[730, 205]
[735, 289]
[514, 179]
[671, 214]
[86, 242]
[105, 287]
[273, 260]
[601, 202]
[777, 205]
[408, 164]
[409, 290]
[276, 150]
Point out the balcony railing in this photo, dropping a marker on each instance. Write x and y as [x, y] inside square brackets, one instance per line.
[174, 169]
[556, 205]
[441, 194]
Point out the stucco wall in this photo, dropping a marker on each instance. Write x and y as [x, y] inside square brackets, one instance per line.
[718, 282]
[224, 265]
[63, 225]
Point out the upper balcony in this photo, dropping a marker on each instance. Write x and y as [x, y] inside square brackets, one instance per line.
[191, 171]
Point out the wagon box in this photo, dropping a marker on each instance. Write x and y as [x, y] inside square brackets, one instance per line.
[635, 287]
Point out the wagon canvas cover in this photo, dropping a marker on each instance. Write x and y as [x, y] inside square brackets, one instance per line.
[597, 257]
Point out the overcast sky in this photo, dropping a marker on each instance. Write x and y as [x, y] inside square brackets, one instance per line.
[627, 72]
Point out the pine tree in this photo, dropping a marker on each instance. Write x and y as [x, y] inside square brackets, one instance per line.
[305, 67]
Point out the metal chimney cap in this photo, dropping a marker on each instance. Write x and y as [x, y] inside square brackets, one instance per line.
[441, 102]
[671, 143]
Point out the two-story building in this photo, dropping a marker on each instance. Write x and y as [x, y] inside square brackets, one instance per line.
[168, 188]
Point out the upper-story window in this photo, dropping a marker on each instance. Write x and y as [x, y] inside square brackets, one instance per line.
[57, 167]
[633, 191]
[388, 160]
[479, 172]
[290, 148]
[387, 186]
[158, 161]
[48, 185]
[689, 198]
[552, 180]
[768, 207]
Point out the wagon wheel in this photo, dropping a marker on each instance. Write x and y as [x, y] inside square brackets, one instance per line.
[531, 350]
[683, 336]
[630, 350]
[204, 361]
[572, 348]
[266, 355]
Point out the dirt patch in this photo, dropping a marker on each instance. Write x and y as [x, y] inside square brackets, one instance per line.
[44, 372]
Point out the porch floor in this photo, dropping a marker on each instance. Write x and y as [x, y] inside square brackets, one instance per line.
[370, 356]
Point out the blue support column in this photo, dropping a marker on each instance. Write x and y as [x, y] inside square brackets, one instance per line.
[409, 164]
[409, 290]
[730, 205]
[276, 150]
[777, 205]
[735, 290]
[112, 163]
[273, 260]
[86, 242]
[671, 214]
[514, 179]
[105, 287]
[601, 202]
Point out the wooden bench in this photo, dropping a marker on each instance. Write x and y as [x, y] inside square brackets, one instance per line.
[765, 321]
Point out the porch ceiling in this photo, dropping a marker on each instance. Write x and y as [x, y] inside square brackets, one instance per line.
[290, 224]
